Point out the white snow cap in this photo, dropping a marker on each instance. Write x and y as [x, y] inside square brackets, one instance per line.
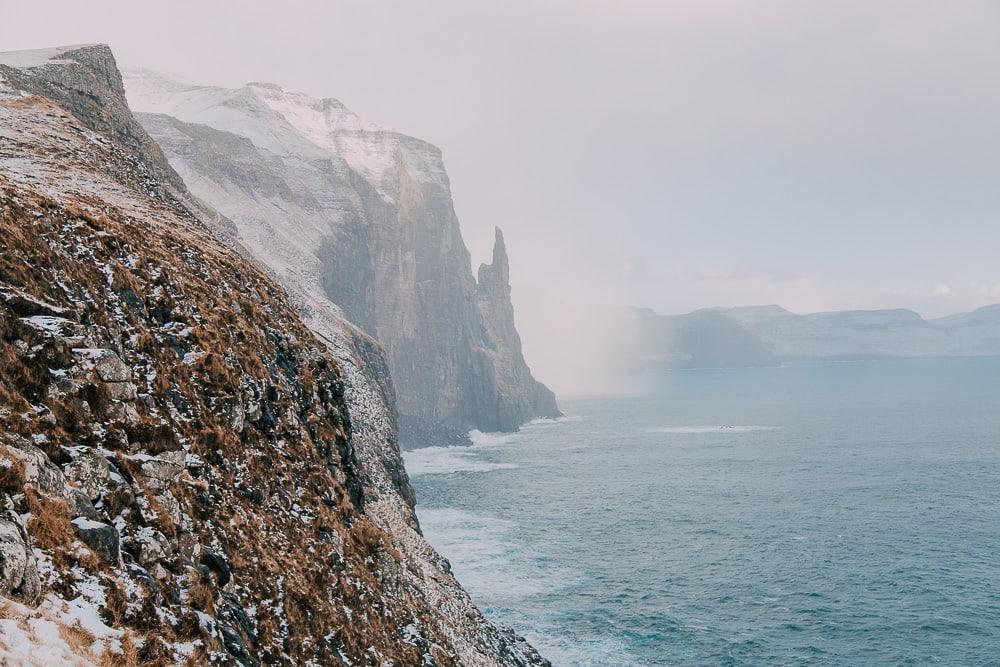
[378, 153]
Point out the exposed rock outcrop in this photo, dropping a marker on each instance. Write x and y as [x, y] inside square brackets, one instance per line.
[358, 215]
[18, 565]
[194, 464]
[517, 392]
[84, 80]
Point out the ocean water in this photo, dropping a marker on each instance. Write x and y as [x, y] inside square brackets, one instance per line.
[841, 514]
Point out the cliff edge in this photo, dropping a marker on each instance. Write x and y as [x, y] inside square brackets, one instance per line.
[359, 215]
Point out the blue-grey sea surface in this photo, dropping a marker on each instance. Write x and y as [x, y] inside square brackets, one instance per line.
[836, 514]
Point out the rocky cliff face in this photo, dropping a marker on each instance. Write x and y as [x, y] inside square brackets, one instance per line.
[361, 216]
[188, 473]
[517, 392]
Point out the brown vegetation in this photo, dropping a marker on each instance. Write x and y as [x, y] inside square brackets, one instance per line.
[281, 498]
[78, 638]
[50, 525]
[11, 474]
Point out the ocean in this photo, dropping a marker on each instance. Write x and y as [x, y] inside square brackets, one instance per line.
[835, 514]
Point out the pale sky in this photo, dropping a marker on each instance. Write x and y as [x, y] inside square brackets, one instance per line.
[676, 155]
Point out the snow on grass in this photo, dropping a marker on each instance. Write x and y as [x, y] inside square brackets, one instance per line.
[57, 632]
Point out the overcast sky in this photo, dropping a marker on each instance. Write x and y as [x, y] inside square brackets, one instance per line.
[675, 155]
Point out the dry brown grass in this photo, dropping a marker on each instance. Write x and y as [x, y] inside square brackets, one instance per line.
[26, 102]
[50, 526]
[201, 594]
[125, 280]
[78, 639]
[161, 383]
[115, 604]
[255, 327]
[11, 474]
[164, 521]
[129, 656]
[76, 210]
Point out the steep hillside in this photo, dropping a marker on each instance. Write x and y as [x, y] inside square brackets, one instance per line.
[361, 216]
[188, 473]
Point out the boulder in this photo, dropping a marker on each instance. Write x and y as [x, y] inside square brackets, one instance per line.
[18, 567]
[81, 506]
[167, 502]
[121, 391]
[102, 538]
[39, 470]
[111, 368]
[162, 470]
[153, 546]
[88, 470]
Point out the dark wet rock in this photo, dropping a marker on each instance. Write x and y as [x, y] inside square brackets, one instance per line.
[217, 562]
[252, 493]
[26, 305]
[102, 538]
[236, 647]
[81, 506]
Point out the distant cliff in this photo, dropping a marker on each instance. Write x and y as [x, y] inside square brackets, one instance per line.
[362, 216]
[769, 335]
[702, 339]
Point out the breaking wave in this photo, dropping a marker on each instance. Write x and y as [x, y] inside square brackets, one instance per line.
[485, 555]
[447, 460]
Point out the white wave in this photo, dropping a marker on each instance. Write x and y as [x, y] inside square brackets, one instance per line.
[492, 439]
[485, 555]
[580, 651]
[446, 460]
[723, 428]
[496, 438]
[502, 576]
[544, 421]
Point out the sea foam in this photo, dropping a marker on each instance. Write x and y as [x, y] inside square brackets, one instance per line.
[723, 428]
[446, 460]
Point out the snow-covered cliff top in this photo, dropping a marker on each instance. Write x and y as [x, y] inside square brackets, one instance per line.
[38, 57]
[284, 122]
